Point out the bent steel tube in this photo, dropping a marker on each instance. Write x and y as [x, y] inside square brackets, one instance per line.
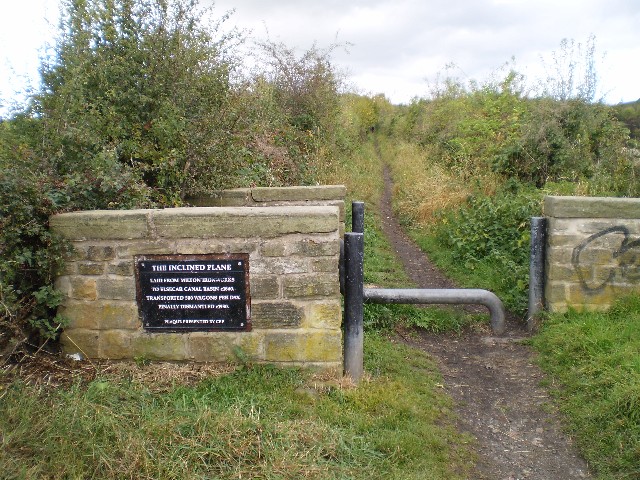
[442, 296]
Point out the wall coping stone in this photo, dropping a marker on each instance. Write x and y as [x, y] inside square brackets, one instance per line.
[591, 207]
[256, 195]
[190, 222]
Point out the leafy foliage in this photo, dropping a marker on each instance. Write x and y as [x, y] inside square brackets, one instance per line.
[504, 147]
[629, 113]
[493, 234]
[144, 83]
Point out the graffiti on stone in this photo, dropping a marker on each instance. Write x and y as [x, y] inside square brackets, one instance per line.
[609, 255]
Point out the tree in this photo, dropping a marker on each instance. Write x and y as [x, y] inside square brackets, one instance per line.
[142, 85]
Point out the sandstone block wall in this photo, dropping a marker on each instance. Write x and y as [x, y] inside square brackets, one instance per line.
[276, 196]
[593, 251]
[293, 274]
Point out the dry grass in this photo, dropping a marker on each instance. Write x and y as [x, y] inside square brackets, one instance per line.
[423, 187]
[361, 173]
[52, 371]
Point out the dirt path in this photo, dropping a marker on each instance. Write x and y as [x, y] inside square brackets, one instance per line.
[494, 382]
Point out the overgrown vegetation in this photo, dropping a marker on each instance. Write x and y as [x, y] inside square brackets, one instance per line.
[595, 374]
[141, 105]
[258, 422]
[472, 163]
[629, 113]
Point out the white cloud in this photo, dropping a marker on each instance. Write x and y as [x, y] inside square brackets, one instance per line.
[399, 44]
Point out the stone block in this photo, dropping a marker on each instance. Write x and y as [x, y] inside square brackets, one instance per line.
[264, 287]
[116, 344]
[555, 292]
[299, 193]
[559, 256]
[63, 285]
[280, 266]
[307, 246]
[303, 346]
[80, 340]
[275, 248]
[563, 226]
[83, 288]
[123, 288]
[243, 222]
[305, 286]
[128, 250]
[121, 268]
[160, 346]
[69, 267]
[268, 315]
[217, 246]
[557, 240]
[564, 273]
[97, 253]
[323, 315]
[324, 264]
[90, 268]
[591, 207]
[556, 307]
[225, 346]
[101, 315]
[318, 247]
[235, 197]
[101, 224]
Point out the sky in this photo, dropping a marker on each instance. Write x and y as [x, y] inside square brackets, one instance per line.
[395, 47]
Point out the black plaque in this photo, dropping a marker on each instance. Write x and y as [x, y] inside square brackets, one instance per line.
[193, 292]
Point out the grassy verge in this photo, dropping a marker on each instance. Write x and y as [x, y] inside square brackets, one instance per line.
[594, 362]
[257, 422]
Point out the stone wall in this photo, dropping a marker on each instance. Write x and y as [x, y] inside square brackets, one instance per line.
[293, 271]
[276, 196]
[593, 251]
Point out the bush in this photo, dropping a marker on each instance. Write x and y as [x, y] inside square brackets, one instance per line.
[29, 258]
[491, 236]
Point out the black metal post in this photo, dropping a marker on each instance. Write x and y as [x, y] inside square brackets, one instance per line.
[536, 270]
[357, 217]
[353, 305]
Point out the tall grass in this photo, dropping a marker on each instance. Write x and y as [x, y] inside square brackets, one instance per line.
[423, 187]
[257, 422]
[362, 173]
[594, 362]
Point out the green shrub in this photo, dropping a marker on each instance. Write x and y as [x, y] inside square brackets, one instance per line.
[489, 238]
[137, 109]
[29, 257]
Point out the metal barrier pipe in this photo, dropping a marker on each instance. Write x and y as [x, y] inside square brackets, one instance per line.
[471, 296]
[357, 217]
[536, 270]
[353, 305]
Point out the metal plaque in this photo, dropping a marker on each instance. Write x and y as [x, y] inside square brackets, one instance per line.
[193, 292]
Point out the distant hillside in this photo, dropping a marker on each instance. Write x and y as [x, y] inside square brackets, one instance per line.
[629, 113]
